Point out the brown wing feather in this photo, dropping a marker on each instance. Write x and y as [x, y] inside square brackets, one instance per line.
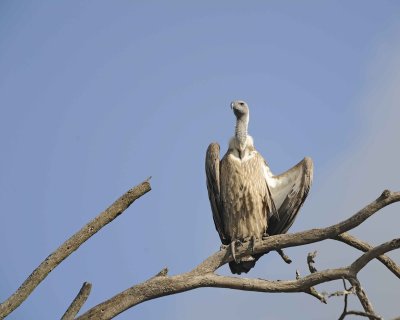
[213, 187]
[289, 190]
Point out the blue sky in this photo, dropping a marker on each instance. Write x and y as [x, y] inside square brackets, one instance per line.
[97, 96]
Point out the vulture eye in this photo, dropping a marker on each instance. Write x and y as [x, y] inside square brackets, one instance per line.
[241, 103]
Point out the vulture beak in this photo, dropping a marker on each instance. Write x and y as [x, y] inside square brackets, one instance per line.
[232, 104]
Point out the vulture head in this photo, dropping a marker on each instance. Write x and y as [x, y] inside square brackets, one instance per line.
[240, 108]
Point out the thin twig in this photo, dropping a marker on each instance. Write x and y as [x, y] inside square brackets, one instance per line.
[310, 261]
[69, 246]
[341, 293]
[78, 302]
[284, 257]
[312, 291]
[343, 315]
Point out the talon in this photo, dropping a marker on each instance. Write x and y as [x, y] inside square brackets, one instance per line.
[265, 236]
[252, 243]
[233, 250]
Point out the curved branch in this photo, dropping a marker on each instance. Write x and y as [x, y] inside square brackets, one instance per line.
[360, 263]
[69, 246]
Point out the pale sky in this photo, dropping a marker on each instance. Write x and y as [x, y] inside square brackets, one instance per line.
[96, 96]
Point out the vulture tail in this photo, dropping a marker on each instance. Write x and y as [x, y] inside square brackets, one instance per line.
[245, 266]
[238, 268]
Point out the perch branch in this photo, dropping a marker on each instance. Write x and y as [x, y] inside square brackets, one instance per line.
[69, 246]
[301, 238]
[78, 302]
[203, 275]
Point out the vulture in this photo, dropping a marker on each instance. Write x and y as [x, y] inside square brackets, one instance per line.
[248, 202]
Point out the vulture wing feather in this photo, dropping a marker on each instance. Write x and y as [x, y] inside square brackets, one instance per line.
[288, 190]
[213, 187]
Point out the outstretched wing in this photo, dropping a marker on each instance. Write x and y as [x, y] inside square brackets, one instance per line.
[213, 187]
[288, 190]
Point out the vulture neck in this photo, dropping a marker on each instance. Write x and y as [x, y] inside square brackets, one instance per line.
[241, 132]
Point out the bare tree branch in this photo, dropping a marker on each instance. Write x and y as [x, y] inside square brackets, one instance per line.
[362, 296]
[69, 246]
[360, 263]
[78, 302]
[364, 246]
[203, 275]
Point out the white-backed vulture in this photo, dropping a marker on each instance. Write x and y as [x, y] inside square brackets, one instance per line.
[248, 202]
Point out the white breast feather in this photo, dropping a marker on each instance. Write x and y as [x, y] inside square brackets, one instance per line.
[234, 145]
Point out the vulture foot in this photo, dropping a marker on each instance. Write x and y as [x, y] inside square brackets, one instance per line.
[252, 242]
